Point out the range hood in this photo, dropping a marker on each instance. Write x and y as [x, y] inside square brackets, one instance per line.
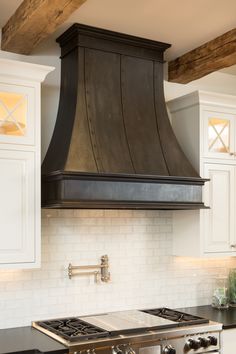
[113, 145]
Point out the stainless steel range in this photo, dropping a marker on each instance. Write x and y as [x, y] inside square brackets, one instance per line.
[154, 331]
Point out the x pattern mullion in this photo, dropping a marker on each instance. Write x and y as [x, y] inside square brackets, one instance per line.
[10, 116]
[218, 136]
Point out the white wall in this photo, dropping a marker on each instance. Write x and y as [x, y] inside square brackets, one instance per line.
[143, 272]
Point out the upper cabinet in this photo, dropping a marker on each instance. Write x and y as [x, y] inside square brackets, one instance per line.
[205, 125]
[20, 162]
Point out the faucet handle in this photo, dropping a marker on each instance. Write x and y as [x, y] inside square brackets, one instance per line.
[105, 275]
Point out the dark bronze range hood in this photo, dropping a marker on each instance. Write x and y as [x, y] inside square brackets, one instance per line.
[113, 145]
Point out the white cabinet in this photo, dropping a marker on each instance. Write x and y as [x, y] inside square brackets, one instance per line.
[205, 125]
[220, 196]
[19, 230]
[20, 163]
[228, 341]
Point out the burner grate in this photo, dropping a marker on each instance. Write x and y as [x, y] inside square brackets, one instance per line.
[73, 329]
[183, 319]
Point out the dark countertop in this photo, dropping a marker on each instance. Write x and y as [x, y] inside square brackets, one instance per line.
[27, 340]
[226, 317]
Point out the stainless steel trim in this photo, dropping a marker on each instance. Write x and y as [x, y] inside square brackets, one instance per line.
[121, 321]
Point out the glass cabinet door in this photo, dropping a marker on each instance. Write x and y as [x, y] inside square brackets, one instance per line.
[13, 113]
[219, 135]
[16, 114]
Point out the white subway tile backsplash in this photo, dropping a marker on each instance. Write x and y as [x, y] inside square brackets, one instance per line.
[144, 274]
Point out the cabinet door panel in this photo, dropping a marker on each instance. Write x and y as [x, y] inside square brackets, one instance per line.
[218, 135]
[219, 195]
[228, 341]
[17, 124]
[17, 207]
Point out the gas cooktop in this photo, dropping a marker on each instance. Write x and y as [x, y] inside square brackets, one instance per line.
[75, 329]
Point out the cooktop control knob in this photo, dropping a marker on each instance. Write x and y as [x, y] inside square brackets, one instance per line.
[116, 350]
[193, 344]
[204, 342]
[169, 350]
[129, 350]
[213, 340]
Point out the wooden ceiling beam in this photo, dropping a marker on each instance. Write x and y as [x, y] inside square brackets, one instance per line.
[33, 21]
[214, 55]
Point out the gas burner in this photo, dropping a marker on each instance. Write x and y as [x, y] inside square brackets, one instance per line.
[73, 329]
[180, 317]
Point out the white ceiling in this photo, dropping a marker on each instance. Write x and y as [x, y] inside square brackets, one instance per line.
[185, 24]
[7, 8]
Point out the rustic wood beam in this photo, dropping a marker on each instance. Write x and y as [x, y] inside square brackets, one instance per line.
[33, 21]
[214, 55]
